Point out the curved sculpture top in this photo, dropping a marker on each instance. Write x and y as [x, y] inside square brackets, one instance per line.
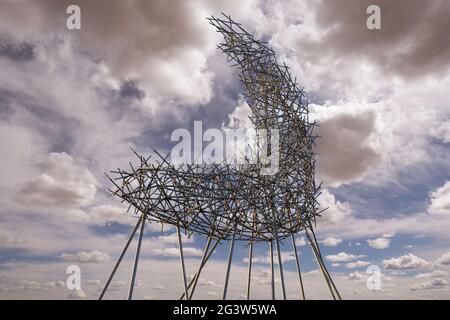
[240, 201]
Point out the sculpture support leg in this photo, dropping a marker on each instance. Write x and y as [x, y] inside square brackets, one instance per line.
[280, 262]
[320, 263]
[331, 284]
[136, 259]
[183, 269]
[111, 276]
[272, 275]
[197, 275]
[280, 266]
[230, 258]
[249, 276]
[324, 267]
[298, 266]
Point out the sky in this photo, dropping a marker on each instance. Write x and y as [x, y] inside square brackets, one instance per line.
[72, 102]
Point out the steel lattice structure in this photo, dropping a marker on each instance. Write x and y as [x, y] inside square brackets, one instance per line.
[229, 202]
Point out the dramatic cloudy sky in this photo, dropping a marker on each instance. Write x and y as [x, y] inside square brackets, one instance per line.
[73, 101]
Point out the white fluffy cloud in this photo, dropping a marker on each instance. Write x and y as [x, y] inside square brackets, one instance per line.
[300, 241]
[175, 252]
[355, 276]
[331, 242]
[379, 243]
[76, 295]
[108, 213]
[444, 259]
[406, 262]
[440, 200]
[159, 287]
[173, 239]
[286, 256]
[357, 264]
[62, 183]
[337, 211]
[342, 257]
[94, 256]
[433, 274]
[436, 283]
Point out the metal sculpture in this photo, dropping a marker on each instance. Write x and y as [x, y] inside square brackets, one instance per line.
[229, 202]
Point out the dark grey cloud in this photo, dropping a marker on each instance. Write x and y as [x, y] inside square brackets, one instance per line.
[162, 44]
[21, 51]
[130, 33]
[413, 39]
[130, 89]
[344, 154]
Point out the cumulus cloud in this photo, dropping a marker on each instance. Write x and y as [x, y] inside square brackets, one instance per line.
[336, 211]
[409, 42]
[94, 256]
[440, 200]
[436, 283]
[331, 242]
[344, 152]
[444, 259]
[106, 213]
[173, 239]
[441, 132]
[94, 282]
[300, 241]
[55, 284]
[175, 252]
[119, 284]
[62, 183]
[406, 262]
[76, 294]
[163, 45]
[379, 243]
[286, 256]
[28, 285]
[211, 294]
[159, 287]
[355, 275]
[357, 264]
[433, 274]
[203, 282]
[342, 257]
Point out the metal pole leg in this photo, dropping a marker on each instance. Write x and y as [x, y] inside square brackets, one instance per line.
[230, 258]
[197, 275]
[111, 276]
[183, 269]
[136, 259]
[280, 262]
[280, 265]
[191, 283]
[325, 268]
[298, 266]
[250, 256]
[316, 255]
[272, 271]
